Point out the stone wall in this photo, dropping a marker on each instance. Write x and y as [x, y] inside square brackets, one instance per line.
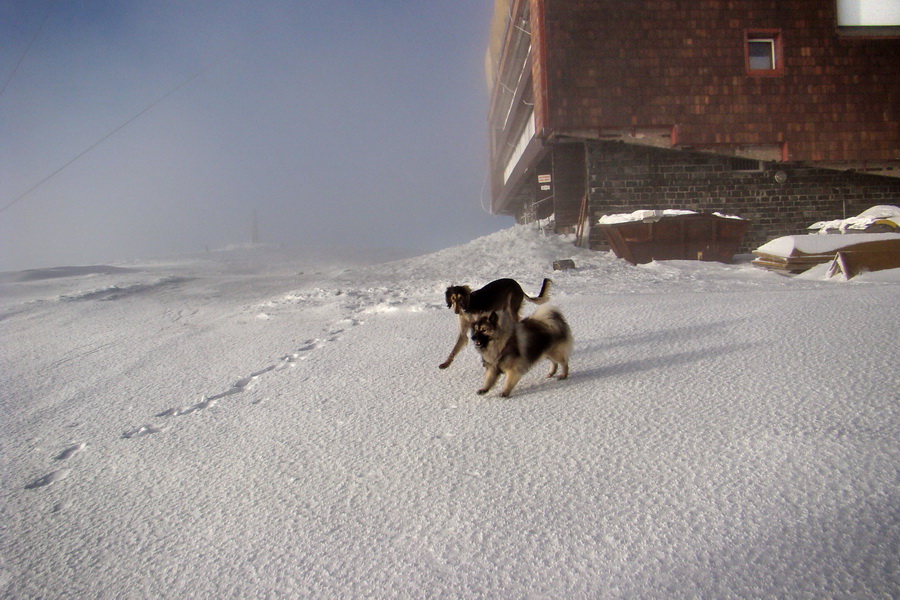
[623, 178]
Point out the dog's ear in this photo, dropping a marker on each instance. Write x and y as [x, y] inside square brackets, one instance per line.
[447, 296]
[494, 319]
[464, 293]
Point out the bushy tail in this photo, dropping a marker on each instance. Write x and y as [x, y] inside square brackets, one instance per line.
[551, 318]
[544, 296]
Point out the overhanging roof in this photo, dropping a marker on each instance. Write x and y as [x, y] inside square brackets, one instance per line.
[534, 152]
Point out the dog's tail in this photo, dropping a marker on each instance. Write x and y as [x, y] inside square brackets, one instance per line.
[553, 320]
[544, 295]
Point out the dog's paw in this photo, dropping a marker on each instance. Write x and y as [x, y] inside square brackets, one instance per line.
[444, 364]
[505, 394]
[483, 391]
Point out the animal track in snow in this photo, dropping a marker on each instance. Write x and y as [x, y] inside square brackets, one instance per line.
[141, 431]
[180, 411]
[236, 388]
[59, 474]
[70, 451]
[245, 383]
[47, 479]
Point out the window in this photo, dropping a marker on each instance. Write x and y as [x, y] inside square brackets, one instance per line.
[763, 52]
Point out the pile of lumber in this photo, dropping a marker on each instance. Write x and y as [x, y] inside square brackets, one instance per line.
[859, 252]
[849, 264]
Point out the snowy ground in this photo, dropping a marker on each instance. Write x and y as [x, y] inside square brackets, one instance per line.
[257, 423]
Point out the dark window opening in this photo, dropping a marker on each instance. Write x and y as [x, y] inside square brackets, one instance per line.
[745, 164]
[761, 54]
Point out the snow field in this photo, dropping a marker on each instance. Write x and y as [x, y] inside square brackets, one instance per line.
[263, 428]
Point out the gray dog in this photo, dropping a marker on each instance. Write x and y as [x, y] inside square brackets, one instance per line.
[512, 347]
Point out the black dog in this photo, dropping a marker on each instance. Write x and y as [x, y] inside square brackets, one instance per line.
[502, 294]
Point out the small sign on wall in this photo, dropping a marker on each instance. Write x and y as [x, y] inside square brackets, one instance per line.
[544, 182]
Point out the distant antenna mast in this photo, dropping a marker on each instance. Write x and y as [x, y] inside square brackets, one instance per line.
[254, 233]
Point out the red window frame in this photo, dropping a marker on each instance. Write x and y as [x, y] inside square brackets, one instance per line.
[777, 40]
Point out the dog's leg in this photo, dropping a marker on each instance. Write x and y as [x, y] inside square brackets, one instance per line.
[515, 305]
[512, 378]
[552, 369]
[461, 340]
[491, 375]
[560, 358]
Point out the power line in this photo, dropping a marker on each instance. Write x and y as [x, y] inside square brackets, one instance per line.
[27, 48]
[150, 107]
[100, 141]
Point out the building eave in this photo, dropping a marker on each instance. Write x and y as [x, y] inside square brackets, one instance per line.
[534, 152]
[886, 168]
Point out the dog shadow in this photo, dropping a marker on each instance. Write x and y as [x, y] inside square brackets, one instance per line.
[651, 364]
[657, 336]
[655, 363]
[596, 352]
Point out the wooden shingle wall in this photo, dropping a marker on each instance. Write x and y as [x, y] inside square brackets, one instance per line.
[665, 63]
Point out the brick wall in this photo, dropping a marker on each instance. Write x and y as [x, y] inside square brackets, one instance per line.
[624, 178]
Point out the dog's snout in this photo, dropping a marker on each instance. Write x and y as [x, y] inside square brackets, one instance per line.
[479, 339]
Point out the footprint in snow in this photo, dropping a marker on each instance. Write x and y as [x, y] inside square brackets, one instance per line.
[141, 431]
[59, 474]
[244, 383]
[70, 451]
[186, 410]
[236, 388]
[47, 479]
[308, 345]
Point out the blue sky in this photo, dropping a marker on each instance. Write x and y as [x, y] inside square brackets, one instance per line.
[341, 123]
